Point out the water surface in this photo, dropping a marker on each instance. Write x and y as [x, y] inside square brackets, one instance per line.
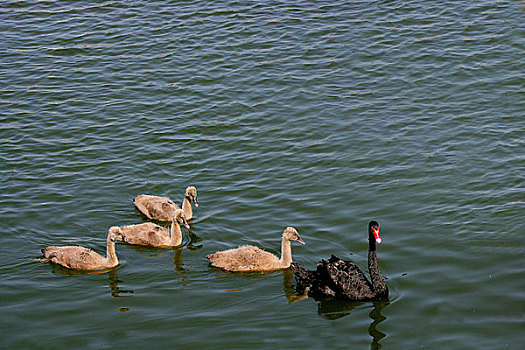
[320, 116]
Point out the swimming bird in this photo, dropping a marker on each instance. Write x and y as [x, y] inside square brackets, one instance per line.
[343, 279]
[81, 258]
[250, 258]
[150, 234]
[162, 208]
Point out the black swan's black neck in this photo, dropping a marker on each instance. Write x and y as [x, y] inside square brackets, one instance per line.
[371, 242]
[378, 283]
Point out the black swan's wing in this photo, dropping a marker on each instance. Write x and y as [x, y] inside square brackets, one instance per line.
[303, 277]
[344, 278]
[311, 282]
[334, 278]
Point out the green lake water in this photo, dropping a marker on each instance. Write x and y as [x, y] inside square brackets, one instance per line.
[318, 115]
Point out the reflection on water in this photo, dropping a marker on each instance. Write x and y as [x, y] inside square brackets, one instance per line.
[289, 291]
[64, 271]
[177, 259]
[377, 318]
[147, 251]
[156, 252]
[193, 239]
[333, 309]
[242, 274]
[112, 276]
[113, 284]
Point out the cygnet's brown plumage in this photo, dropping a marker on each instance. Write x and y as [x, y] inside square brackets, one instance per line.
[162, 208]
[81, 258]
[150, 234]
[250, 258]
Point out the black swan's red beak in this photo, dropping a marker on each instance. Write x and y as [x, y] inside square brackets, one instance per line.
[376, 234]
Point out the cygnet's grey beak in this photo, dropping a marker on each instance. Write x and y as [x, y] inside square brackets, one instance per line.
[300, 240]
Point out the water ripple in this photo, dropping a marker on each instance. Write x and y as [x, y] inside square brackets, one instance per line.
[316, 115]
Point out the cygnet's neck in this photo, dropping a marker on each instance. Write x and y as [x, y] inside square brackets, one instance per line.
[176, 234]
[186, 208]
[286, 253]
[111, 255]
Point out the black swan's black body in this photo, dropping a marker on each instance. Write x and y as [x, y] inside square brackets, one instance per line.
[343, 279]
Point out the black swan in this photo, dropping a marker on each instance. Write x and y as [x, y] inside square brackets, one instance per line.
[343, 279]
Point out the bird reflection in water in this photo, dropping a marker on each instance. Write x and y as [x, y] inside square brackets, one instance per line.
[113, 284]
[289, 291]
[333, 309]
[112, 276]
[177, 259]
[193, 239]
